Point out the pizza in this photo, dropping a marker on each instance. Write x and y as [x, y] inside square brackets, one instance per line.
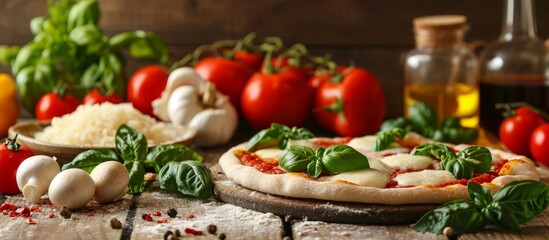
[396, 175]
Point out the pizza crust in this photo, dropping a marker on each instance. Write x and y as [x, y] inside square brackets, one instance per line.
[297, 186]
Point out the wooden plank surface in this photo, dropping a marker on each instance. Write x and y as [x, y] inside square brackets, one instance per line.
[232, 221]
[91, 222]
[537, 229]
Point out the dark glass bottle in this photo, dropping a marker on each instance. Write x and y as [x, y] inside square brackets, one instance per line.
[512, 68]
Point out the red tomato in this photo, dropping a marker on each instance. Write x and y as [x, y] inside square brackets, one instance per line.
[539, 144]
[515, 132]
[354, 106]
[283, 98]
[229, 76]
[251, 60]
[12, 155]
[95, 97]
[146, 85]
[51, 105]
[284, 64]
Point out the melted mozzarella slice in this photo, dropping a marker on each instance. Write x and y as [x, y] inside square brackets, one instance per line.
[269, 153]
[365, 145]
[425, 177]
[379, 165]
[365, 177]
[408, 161]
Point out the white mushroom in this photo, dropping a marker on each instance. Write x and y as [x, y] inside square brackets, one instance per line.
[111, 181]
[72, 188]
[34, 176]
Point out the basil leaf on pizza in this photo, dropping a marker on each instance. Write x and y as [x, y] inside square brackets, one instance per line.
[462, 165]
[479, 156]
[296, 158]
[343, 158]
[435, 150]
[334, 159]
[277, 135]
[385, 138]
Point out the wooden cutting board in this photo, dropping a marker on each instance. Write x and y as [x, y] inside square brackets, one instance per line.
[315, 210]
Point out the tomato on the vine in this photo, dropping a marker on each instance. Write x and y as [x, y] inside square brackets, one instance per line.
[12, 154]
[95, 97]
[350, 103]
[52, 105]
[146, 85]
[539, 144]
[515, 132]
[253, 61]
[229, 76]
[283, 98]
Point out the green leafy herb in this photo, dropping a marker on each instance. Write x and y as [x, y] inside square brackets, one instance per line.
[296, 158]
[516, 203]
[464, 164]
[191, 178]
[89, 159]
[277, 135]
[334, 159]
[131, 145]
[423, 120]
[385, 138]
[69, 51]
[160, 155]
[131, 149]
[423, 116]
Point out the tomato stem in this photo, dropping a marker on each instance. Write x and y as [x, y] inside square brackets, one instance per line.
[12, 144]
[509, 109]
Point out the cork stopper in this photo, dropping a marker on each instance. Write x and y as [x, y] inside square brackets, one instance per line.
[439, 31]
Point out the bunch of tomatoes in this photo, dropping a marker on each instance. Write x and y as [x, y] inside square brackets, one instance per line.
[526, 133]
[266, 82]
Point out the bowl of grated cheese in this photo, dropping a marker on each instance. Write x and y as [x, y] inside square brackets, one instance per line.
[93, 127]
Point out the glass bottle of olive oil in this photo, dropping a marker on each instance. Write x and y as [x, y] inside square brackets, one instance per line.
[441, 71]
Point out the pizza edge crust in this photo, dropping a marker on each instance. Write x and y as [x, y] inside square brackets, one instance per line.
[297, 186]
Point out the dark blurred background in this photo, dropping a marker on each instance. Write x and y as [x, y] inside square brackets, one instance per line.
[372, 34]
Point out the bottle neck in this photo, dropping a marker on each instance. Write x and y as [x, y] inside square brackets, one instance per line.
[439, 39]
[518, 20]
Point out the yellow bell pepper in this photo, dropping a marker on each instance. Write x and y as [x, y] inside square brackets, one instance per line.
[9, 108]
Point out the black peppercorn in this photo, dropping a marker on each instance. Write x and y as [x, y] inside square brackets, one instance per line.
[172, 212]
[212, 229]
[65, 213]
[116, 224]
[177, 233]
[222, 236]
[167, 235]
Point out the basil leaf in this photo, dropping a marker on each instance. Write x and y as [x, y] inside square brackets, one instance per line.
[435, 150]
[8, 54]
[384, 139]
[480, 195]
[517, 203]
[482, 155]
[137, 175]
[459, 135]
[461, 215]
[423, 116]
[343, 158]
[461, 168]
[131, 145]
[85, 12]
[160, 155]
[141, 44]
[276, 135]
[89, 37]
[296, 158]
[89, 159]
[191, 178]
[399, 122]
[314, 168]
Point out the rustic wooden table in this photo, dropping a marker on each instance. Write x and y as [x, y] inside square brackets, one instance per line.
[233, 222]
